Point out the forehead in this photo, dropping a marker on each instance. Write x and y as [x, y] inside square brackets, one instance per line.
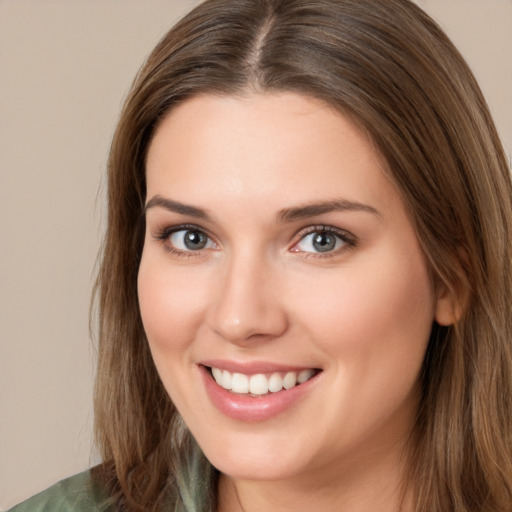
[262, 147]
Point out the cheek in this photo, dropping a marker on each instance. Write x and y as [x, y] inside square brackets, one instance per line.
[171, 304]
[374, 323]
[375, 310]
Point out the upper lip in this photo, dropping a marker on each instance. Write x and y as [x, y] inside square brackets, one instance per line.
[253, 367]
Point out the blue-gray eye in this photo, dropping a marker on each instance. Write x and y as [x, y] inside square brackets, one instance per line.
[190, 240]
[320, 241]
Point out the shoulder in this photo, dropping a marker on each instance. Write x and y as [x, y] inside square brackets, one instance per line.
[75, 494]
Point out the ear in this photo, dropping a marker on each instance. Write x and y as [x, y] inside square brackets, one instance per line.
[450, 304]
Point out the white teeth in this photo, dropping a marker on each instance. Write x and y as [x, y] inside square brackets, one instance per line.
[275, 383]
[305, 375]
[217, 375]
[226, 380]
[260, 384]
[289, 381]
[240, 383]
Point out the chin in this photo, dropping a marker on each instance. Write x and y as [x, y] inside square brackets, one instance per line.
[256, 470]
[256, 459]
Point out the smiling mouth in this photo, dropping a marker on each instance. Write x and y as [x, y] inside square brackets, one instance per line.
[260, 384]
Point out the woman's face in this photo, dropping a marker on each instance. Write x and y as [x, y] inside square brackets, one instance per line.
[278, 254]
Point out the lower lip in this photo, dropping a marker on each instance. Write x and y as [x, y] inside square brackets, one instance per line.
[251, 409]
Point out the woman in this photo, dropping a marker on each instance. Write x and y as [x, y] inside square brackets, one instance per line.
[305, 289]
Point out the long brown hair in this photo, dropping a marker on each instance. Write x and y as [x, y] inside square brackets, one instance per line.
[389, 67]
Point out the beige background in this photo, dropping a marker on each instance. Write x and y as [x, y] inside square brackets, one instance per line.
[64, 68]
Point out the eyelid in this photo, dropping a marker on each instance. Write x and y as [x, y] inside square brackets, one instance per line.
[325, 228]
[170, 229]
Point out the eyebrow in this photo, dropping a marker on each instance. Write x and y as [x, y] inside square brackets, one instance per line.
[312, 209]
[283, 216]
[177, 207]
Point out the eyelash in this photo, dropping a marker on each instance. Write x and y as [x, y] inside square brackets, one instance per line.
[347, 238]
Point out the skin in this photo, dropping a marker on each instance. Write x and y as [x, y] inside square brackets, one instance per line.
[260, 291]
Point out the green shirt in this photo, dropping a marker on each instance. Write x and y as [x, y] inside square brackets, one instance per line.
[75, 494]
[82, 493]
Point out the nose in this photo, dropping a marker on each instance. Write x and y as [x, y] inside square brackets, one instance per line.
[248, 306]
